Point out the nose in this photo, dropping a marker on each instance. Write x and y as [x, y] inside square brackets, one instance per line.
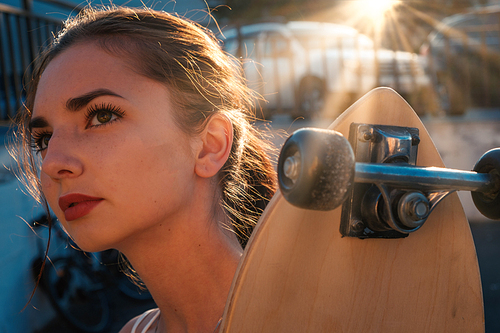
[61, 158]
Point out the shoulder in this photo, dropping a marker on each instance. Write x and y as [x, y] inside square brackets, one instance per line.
[138, 323]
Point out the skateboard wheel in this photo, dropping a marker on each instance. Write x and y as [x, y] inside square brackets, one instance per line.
[316, 169]
[489, 203]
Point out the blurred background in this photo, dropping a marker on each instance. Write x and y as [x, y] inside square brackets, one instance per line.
[308, 60]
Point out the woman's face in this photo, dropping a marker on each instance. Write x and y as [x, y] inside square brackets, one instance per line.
[115, 165]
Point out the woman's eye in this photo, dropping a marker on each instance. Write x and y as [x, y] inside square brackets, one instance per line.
[41, 141]
[45, 141]
[102, 117]
[102, 114]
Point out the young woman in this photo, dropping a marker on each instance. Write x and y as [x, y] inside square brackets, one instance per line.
[139, 123]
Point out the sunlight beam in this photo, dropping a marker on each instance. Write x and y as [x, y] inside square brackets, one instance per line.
[375, 9]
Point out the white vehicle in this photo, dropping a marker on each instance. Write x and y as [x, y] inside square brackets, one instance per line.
[308, 67]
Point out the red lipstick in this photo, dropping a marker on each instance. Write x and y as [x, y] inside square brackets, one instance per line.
[77, 205]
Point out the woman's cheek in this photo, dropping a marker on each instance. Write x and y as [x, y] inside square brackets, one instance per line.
[49, 191]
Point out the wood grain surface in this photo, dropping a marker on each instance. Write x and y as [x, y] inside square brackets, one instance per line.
[298, 274]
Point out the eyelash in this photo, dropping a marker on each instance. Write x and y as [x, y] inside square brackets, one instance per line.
[92, 111]
[36, 140]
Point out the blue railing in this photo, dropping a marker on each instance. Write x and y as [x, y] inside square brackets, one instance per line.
[23, 34]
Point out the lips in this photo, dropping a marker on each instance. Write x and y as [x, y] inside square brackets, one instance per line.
[77, 205]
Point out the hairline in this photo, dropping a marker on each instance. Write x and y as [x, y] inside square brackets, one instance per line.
[110, 44]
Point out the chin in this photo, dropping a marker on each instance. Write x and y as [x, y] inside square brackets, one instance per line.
[91, 242]
[91, 235]
[92, 246]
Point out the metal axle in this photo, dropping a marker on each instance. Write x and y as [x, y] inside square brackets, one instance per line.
[405, 176]
[425, 178]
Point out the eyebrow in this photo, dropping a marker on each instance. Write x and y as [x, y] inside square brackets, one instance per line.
[73, 105]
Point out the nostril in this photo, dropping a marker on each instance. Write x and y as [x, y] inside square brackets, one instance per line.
[58, 165]
[64, 171]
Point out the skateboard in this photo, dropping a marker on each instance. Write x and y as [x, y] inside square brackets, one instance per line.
[366, 233]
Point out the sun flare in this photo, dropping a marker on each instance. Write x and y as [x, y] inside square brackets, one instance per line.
[372, 17]
[375, 10]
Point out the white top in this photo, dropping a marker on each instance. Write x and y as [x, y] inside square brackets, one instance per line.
[141, 318]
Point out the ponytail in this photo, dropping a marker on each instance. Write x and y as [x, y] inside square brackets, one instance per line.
[248, 179]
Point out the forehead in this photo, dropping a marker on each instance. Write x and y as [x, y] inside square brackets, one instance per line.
[83, 68]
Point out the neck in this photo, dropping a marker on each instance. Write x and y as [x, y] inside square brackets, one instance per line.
[189, 271]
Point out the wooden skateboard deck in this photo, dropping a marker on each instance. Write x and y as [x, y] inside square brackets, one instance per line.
[298, 274]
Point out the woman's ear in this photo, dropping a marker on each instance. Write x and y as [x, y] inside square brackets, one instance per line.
[217, 139]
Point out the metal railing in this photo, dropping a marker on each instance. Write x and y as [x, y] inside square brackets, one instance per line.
[22, 35]
[466, 71]
[464, 62]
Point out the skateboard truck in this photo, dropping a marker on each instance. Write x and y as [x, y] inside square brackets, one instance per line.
[374, 176]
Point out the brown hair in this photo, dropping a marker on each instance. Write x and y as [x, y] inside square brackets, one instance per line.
[205, 80]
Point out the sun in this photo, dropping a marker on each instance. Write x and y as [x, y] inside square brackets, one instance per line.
[375, 10]
[370, 16]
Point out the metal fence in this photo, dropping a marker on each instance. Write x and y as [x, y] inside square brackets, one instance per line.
[22, 35]
[464, 61]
